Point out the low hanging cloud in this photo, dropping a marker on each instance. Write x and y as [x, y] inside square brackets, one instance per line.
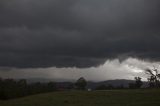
[112, 69]
[83, 33]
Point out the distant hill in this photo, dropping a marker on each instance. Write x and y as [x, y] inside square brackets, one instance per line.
[114, 83]
[90, 84]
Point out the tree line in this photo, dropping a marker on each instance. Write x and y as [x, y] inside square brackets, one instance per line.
[10, 88]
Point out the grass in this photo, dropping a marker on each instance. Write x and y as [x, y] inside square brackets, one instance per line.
[93, 98]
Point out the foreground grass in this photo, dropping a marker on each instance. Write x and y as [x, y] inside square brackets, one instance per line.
[94, 98]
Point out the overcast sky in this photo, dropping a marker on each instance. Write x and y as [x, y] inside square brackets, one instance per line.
[66, 39]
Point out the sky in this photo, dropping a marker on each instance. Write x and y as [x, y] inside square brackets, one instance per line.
[68, 39]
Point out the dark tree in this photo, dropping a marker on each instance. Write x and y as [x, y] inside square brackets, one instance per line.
[138, 82]
[81, 84]
[154, 77]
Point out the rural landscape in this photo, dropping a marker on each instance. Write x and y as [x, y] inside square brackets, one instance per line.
[79, 53]
[16, 93]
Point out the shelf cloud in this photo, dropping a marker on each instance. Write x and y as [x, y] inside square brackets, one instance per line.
[111, 69]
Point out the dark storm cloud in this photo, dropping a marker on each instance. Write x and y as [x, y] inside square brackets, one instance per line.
[82, 33]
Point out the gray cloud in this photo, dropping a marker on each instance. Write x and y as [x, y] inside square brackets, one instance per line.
[84, 33]
[111, 69]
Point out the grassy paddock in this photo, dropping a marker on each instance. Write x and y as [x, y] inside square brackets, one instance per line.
[93, 98]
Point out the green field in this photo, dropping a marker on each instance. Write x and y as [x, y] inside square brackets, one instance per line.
[93, 98]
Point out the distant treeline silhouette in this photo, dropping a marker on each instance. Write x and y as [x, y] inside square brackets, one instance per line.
[10, 88]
